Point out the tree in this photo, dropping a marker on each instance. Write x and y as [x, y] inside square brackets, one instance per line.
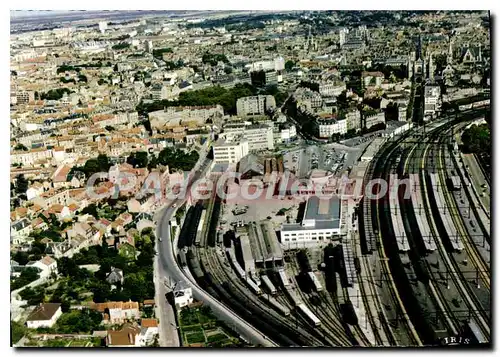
[32, 296]
[27, 276]
[138, 159]
[477, 139]
[21, 184]
[78, 321]
[92, 210]
[21, 257]
[104, 163]
[153, 162]
[17, 331]
[101, 291]
[20, 147]
[67, 267]
[289, 65]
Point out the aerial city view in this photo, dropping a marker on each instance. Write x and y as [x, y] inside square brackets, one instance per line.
[250, 179]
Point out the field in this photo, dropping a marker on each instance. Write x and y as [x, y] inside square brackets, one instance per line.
[65, 342]
[199, 327]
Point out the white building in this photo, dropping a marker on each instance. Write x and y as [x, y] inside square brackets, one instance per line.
[103, 26]
[343, 35]
[183, 295]
[432, 100]
[402, 109]
[369, 79]
[229, 151]
[175, 116]
[328, 127]
[256, 105]
[149, 46]
[353, 120]
[288, 133]
[331, 89]
[259, 136]
[373, 119]
[47, 266]
[45, 315]
[321, 223]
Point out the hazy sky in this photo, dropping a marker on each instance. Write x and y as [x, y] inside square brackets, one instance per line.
[24, 13]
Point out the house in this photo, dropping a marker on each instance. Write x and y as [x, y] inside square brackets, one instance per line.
[115, 276]
[183, 294]
[20, 230]
[45, 315]
[116, 312]
[60, 178]
[35, 190]
[148, 302]
[47, 266]
[149, 329]
[39, 224]
[126, 337]
[60, 211]
[103, 225]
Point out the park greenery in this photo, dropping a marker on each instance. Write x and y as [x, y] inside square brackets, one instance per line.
[477, 140]
[27, 276]
[91, 166]
[121, 46]
[55, 94]
[138, 159]
[20, 147]
[213, 95]
[21, 184]
[214, 58]
[77, 284]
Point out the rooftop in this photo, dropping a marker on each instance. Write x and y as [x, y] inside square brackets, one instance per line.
[44, 312]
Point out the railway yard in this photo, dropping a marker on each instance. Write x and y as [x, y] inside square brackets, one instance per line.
[409, 268]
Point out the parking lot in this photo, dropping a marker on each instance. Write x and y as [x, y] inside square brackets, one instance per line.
[332, 158]
[278, 211]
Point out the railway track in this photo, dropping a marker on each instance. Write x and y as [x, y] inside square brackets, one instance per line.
[433, 285]
[331, 327]
[414, 338]
[470, 246]
[469, 296]
[215, 263]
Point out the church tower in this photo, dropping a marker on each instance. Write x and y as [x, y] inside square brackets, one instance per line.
[449, 58]
[431, 67]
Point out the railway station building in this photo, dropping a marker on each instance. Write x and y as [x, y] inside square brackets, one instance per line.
[320, 224]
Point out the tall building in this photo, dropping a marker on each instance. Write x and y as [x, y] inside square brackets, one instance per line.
[149, 46]
[343, 36]
[229, 151]
[256, 105]
[103, 26]
[432, 100]
[431, 68]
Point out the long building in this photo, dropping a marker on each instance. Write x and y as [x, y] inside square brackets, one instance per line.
[259, 136]
[320, 224]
